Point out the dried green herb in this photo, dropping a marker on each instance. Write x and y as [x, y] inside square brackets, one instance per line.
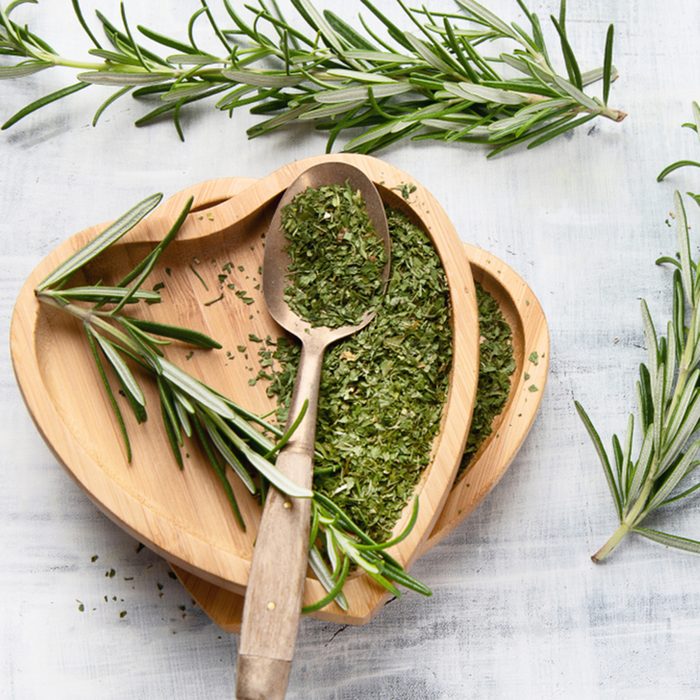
[336, 257]
[496, 365]
[383, 389]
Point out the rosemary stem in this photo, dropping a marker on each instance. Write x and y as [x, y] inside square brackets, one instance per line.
[630, 520]
[610, 545]
[87, 316]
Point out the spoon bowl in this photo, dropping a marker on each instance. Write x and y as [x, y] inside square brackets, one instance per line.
[276, 261]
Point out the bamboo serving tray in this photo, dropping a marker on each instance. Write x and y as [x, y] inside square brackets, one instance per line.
[183, 515]
[526, 318]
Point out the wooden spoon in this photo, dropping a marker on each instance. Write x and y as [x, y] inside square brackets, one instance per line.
[273, 597]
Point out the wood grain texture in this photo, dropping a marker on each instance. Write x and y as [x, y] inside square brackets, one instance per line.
[150, 498]
[518, 609]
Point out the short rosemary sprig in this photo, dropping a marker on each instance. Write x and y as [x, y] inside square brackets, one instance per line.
[466, 76]
[228, 434]
[668, 393]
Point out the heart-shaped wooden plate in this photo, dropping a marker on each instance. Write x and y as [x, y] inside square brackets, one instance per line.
[183, 515]
[526, 318]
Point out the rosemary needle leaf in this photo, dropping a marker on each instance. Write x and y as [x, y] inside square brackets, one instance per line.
[20, 70]
[139, 274]
[607, 63]
[603, 456]
[333, 592]
[166, 41]
[319, 567]
[219, 471]
[121, 368]
[669, 540]
[108, 390]
[109, 101]
[166, 402]
[16, 3]
[676, 166]
[284, 439]
[186, 335]
[111, 78]
[183, 417]
[228, 455]
[83, 23]
[42, 102]
[104, 240]
[109, 295]
[278, 479]
[194, 389]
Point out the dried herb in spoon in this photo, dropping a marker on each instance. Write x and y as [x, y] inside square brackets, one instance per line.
[336, 256]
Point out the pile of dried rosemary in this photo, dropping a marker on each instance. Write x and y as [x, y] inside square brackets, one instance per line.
[383, 390]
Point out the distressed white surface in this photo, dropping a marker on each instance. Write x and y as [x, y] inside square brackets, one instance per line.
[519, 610]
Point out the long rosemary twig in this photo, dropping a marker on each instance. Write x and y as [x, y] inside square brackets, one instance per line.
[467, 76]
[229, 435]
[668, 393]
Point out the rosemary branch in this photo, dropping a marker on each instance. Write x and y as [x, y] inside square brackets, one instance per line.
[668, 393]
[448, 79]
[229, 436]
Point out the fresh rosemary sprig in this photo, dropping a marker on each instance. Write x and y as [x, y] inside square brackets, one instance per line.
[449, 79]
[668, 393]
[694, 126]
[229, 435]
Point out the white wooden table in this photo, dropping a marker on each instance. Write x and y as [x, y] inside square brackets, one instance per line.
[519, 610]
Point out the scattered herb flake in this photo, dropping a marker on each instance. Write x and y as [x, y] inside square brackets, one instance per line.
[406, 189]
[534, 357]
[94, 558]
[198, 276]
[214, 301]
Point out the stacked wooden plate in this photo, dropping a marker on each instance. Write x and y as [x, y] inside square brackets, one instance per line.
[183, 515]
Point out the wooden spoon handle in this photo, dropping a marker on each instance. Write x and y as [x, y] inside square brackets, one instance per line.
[276, 582]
